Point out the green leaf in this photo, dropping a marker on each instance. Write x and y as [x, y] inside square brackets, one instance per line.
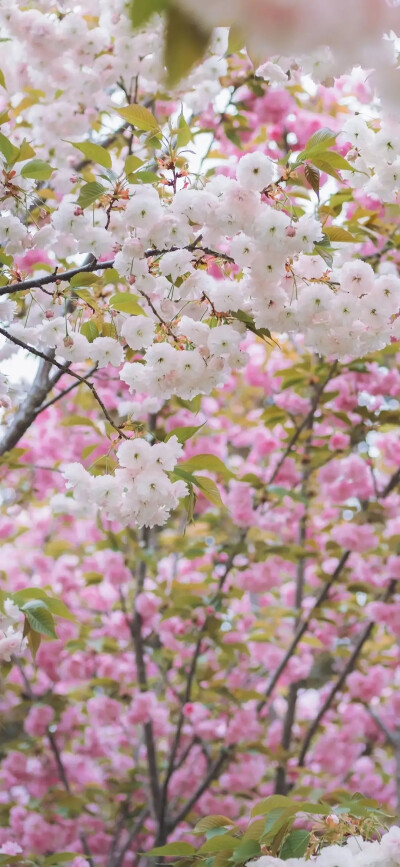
[210, 822]
[320, 141]
[271, 803]
[34, 639]
[295, 845]
[25, 152]
[37, 169]
[185, 43]
[6, 147]
[78, 420]
[126, 303]
[84, 279]
[337, 233]
[277, 818]
[255, 830]
[39, 617]
[89, 193]
[207, 462]
[94, 152]
[85, 295]
[183, 433]
[132, 163]
[2, 79]
[178, 849]
[224, 843]
[59, 858]
[312, 176]
[56, 606]
[146, 177]
[209, 489]
[324, 253]
[140, 117]
[90, 330]
[141, 10]
[335, 160]
[184, 135]
[247, 849]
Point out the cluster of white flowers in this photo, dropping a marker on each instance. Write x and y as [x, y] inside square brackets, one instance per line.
[94, 38]
[374, 157]
[356, 852]
[139, 492]
[12, 642]
[272, 275]
[307, 27]
[201, 260]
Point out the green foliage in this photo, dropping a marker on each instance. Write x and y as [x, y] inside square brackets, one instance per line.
[124, 302]
[132, 163]
[295, 845]
[37, 169]
[90, 330]
[185, 43]
[89, 194]
[94, 152]
[141, 10]
[6, 147]
[172, 849]
[207, 462]
[139, 117]
[39, 617]
[183, 433]
[337, 233]
[273, 834]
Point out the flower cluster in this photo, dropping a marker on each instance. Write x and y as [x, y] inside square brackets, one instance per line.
[139, 492]
[356, 851]
[12, 642]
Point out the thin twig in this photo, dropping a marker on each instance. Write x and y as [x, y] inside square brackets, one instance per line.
[305, 423]
[63, 392]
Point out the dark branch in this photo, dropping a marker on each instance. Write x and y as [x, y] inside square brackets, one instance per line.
[64, 369]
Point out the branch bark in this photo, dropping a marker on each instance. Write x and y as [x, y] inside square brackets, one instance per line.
[64, 369]
[27, 412]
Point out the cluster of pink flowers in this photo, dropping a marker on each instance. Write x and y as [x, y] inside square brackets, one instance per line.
[204, 471]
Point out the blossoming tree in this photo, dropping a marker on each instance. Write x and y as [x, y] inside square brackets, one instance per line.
[200, 459]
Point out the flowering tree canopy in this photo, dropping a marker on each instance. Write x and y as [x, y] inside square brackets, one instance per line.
[200, 386]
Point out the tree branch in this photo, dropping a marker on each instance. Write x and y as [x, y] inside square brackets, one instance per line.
[95, 265]
[337, 686]
[62, 393]
[212, 774]
[64, 369]
[302, 628]
[117, 860]
[306, 421]
[135, 625]
[28, 410]
[56, 753]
